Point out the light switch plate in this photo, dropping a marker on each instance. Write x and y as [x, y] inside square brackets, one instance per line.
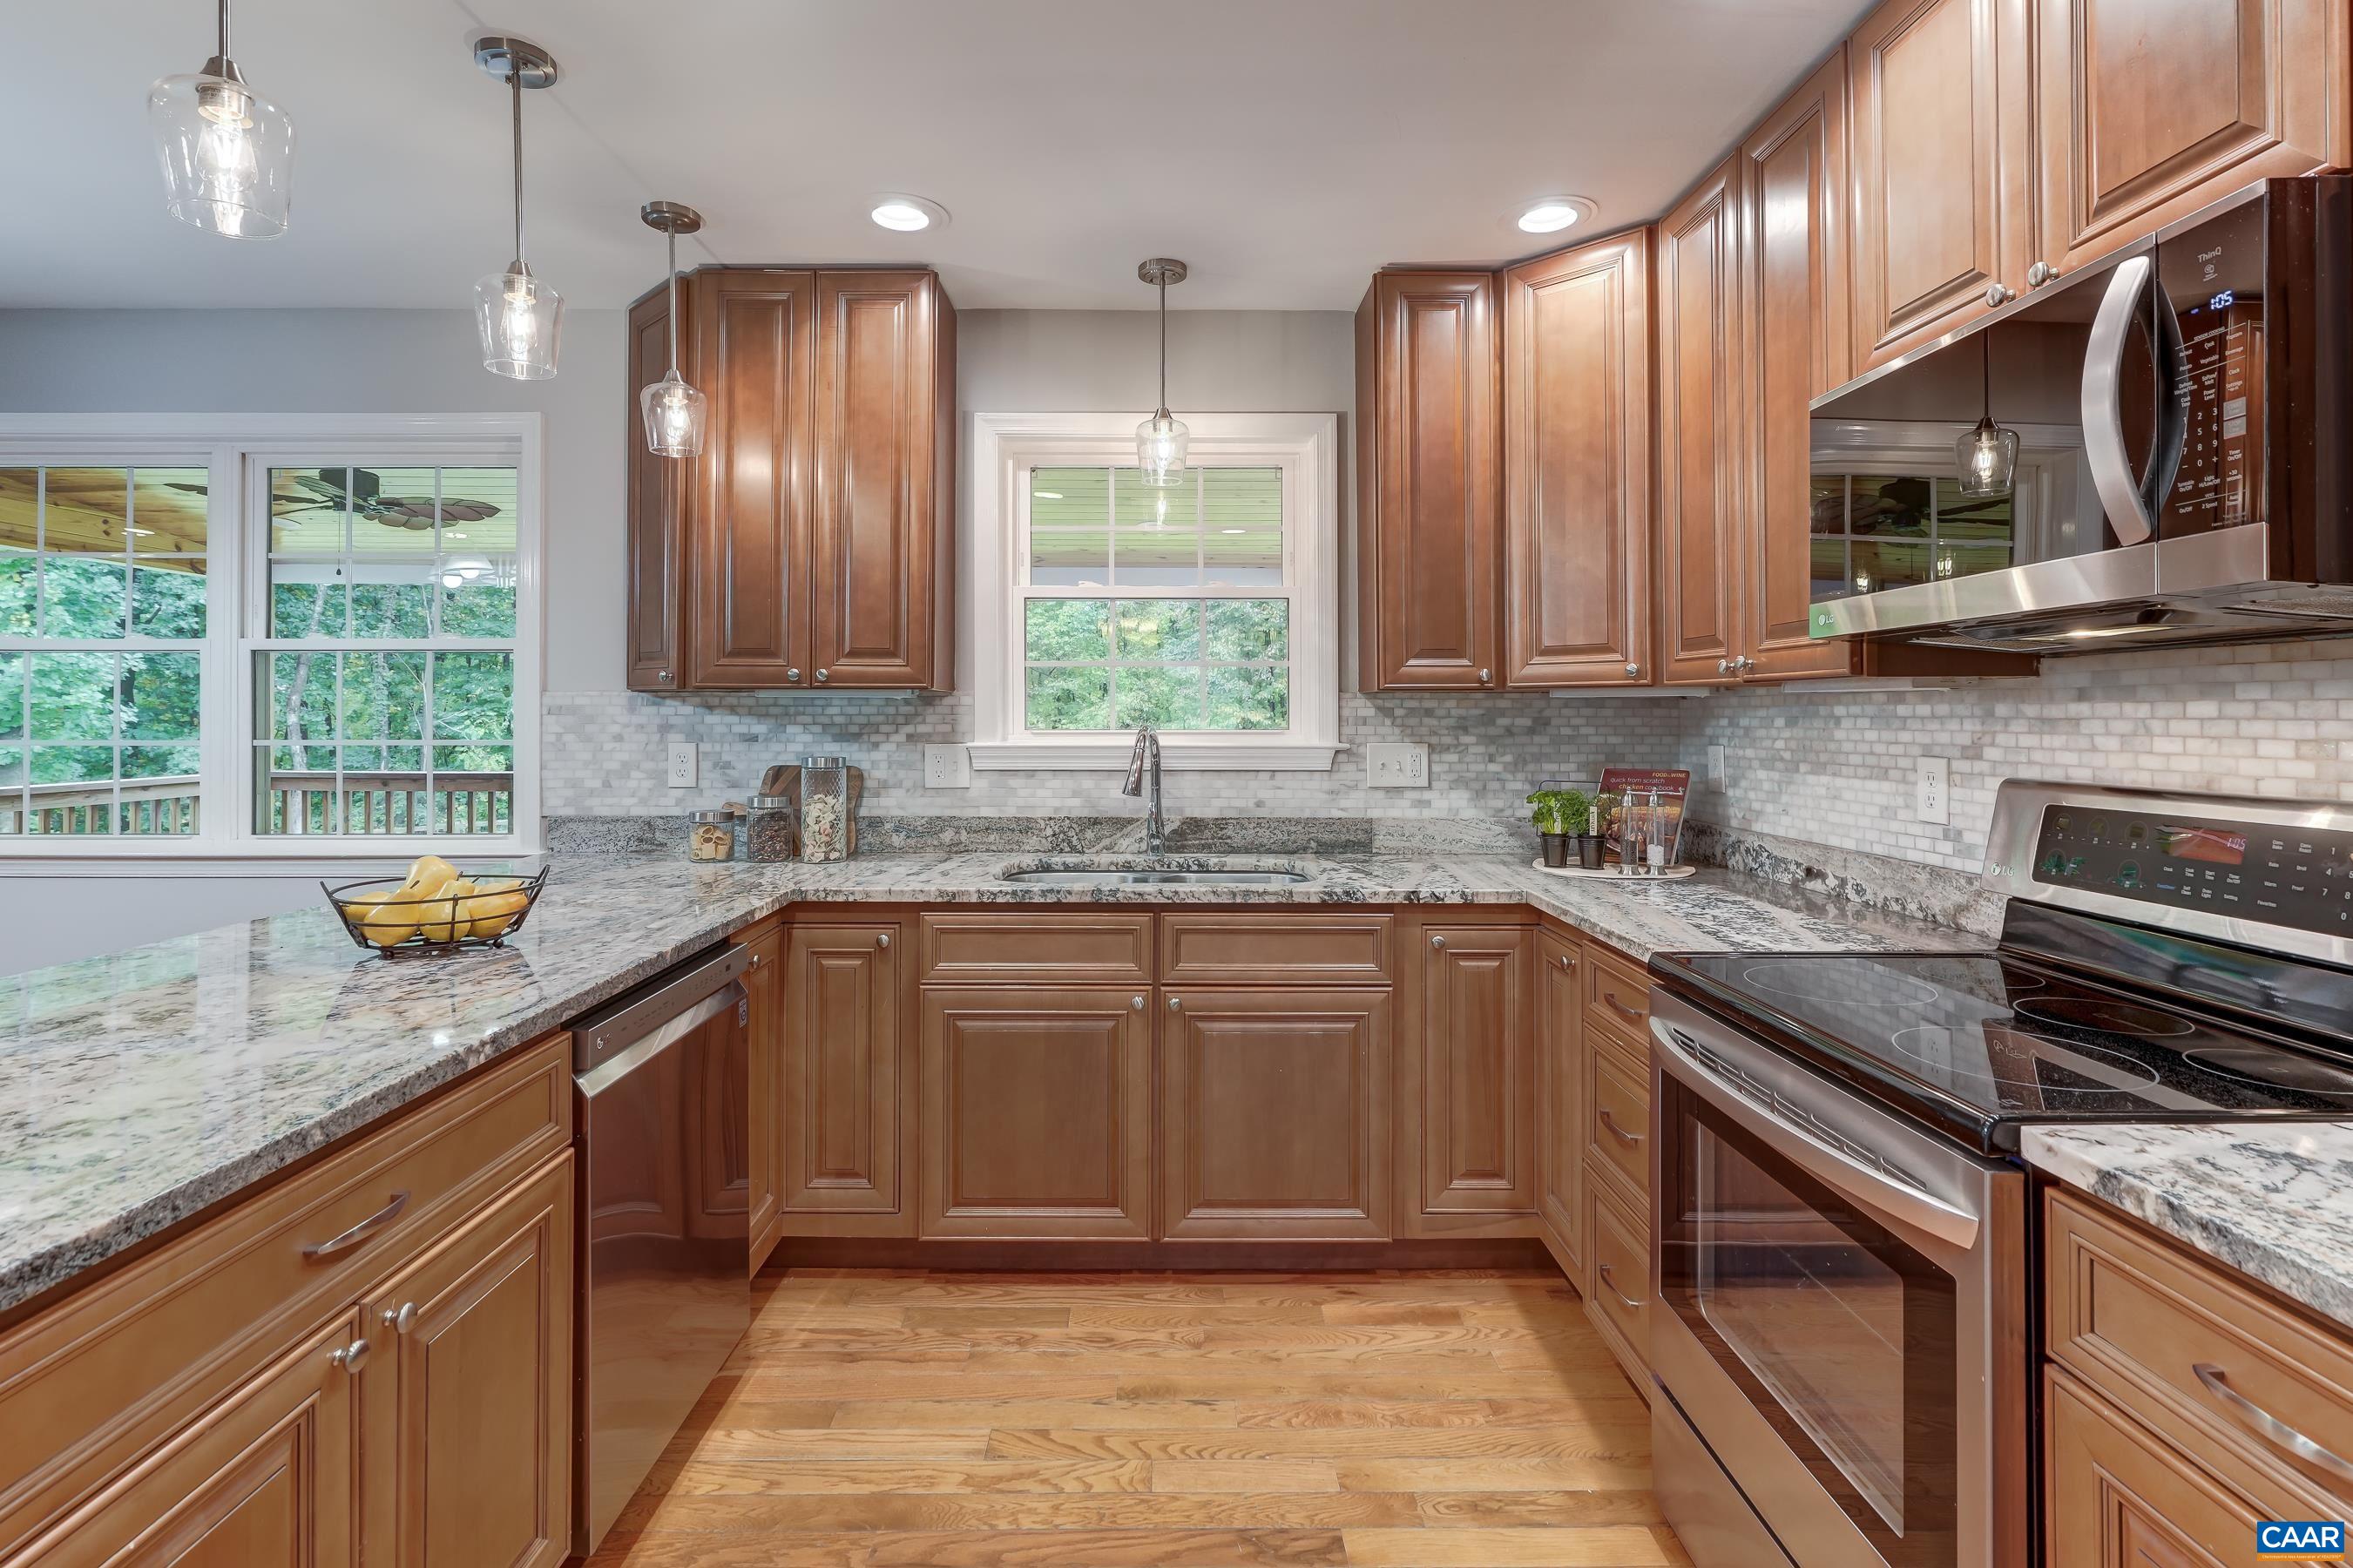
[947, 767]
[683, 766]
[1932, 797]
[1397, 765]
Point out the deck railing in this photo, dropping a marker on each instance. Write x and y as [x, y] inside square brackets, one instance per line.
[292, 803]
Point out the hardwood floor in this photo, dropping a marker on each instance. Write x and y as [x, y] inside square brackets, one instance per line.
[873, 1419]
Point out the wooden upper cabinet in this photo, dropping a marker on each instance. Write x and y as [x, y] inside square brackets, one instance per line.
[1577, 462]
[883, 542]
[1699, 448]
[749, 530]
[1428, 538]
[1942, 155]
[1797, 312]
[843, 1134]
[2150, 109]
[657, 487]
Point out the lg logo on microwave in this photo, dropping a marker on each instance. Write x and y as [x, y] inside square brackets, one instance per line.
[2302, 1540]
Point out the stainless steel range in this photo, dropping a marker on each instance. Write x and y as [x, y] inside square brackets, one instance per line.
[1841, 1248]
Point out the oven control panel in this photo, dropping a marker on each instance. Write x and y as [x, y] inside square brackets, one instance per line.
[2298, 877]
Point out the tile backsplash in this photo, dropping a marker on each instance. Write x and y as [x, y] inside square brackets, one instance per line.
[1803, 765]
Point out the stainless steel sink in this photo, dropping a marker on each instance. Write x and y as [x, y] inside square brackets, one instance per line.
[1128, 877]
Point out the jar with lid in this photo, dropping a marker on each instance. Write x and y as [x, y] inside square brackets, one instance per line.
[710, 836]
[772, 828]
[829, 825]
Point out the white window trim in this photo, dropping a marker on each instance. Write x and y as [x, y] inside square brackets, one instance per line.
[1003, 446]
[242, 445]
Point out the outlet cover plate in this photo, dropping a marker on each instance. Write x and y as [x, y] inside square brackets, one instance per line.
[1397, 765]
[947, 767]
[1933, 792]
[682, 764]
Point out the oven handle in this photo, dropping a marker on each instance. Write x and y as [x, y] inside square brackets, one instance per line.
[1899, 1199]
[2104, 420]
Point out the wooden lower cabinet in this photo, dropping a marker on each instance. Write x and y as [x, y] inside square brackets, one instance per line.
[1036, 1112]
[2117, 1497]
[765, 1087]
[1274, 1114]
[1617, 1290]
[1561, 1101]
[468, 1451]
[843, 1132]
[1466, 1103]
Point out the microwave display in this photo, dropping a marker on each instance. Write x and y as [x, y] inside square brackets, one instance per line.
[2213, 279]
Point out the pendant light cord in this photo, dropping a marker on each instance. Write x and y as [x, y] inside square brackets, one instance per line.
[514, 80]
[1164, 344]
[672, 232]
[1984, 370]
[224, 29]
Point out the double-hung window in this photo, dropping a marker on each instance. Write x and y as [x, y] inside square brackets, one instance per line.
[268, 637]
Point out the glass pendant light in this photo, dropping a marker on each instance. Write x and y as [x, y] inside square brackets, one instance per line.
[227, 151]
[1160, 440]
[1988, 456]
[520, 318]
[672, 410]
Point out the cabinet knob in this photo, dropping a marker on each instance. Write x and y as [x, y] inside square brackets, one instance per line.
[1483, 678]
[792, 674]
[823, 675]
[1136, 1002]
[1999, 294]
[1175, 1003]
[352, 1357]
[755, 961]
[1437, 942]
[1633, 672]
[664, 677]
[400, 1318]
[2039, 274]
[882, 939]
[1568, 960]
[1724, 667]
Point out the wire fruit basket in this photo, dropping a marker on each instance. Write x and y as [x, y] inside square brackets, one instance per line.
[438, 924]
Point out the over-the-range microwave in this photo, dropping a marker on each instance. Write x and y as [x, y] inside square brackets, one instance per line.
[2183, 415]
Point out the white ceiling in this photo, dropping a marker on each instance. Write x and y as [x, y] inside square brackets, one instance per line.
[1285, 147]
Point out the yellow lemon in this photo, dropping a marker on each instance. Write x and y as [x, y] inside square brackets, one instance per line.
[443, 910]
[428, 875]
[494, 906]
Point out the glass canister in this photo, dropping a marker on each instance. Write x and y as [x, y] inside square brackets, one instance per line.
[710, 836]
[828, 809]
[771, 829]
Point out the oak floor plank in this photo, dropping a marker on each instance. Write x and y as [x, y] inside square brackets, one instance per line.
[736, 1514]
[1245, 1476]
[1497, 1475]
[1602, 1548]
[1584, 1440]
[708, 1476]
[737, 1440]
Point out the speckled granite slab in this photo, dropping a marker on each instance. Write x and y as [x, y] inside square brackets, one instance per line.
[138, 1089]
[2274, 1202]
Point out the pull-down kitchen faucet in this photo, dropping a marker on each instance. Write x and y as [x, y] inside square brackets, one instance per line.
[1148, 755]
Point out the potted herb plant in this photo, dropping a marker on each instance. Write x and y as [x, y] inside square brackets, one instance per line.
[1592, 840]
[1560, 816]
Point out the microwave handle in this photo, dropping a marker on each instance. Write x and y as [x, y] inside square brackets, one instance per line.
[2103, 417]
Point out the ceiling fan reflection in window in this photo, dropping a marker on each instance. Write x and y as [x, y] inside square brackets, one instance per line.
[324, 491]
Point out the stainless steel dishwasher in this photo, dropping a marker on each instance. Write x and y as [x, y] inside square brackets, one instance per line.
[660, 1090]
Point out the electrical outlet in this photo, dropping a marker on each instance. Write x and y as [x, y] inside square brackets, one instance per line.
[946, 767]
[1716, 763]
[681, 764]
[1932, 797]
[1396, 765]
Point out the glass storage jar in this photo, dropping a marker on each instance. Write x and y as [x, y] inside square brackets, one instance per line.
[827, 803]
[710, 836]
[771, 829]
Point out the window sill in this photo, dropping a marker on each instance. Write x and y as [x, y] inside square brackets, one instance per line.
[1178, 754]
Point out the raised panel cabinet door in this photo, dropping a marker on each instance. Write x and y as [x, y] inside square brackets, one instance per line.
[1576, 466]
[1429, 549]
[1560, 1102]
[877, 569]
[264, 1478]
[1797, 314]
[2150, 109]
[748, 540]
[2115, 1496]
[1475, 1103]
[1274, 1114]
[1036, 1112]
[1700, 495]
[764, 1088]
[1942, 161]
[842, 1131]
[658, 491]
[467, 1456]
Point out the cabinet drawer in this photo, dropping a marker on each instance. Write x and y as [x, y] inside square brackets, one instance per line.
[1244, 949]
[1618, 994]
[2188, 1348]
[90, 1384]
[1063, 947]
[1617, 1296]
[1618, 1137]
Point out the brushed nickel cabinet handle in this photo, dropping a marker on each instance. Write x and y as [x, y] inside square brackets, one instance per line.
[1175, 1003]
[823, 675]
[793, 674]
[1483, 678]
[1136, 1002]
[1437, 942]
[1621, 1008]
[1611, 1280]
[359, 1233]
[882, 939]
[1724, 667]
[1617, 1131]
[2268, 1427]
[2039, 274]
[352, 1357]
[1568, 960]
[1999, 294]
[400, 1318]
[1633, 672]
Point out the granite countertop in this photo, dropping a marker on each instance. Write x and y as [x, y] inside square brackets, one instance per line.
[2273, 1200]
[143, 1086]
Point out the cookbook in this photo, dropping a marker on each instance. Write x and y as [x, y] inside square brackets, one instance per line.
[1620, 786]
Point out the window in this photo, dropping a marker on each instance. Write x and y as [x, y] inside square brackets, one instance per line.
[1206, 609]
[270, 636]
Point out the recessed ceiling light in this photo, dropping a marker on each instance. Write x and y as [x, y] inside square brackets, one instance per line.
[1550, 214]
[906, 213]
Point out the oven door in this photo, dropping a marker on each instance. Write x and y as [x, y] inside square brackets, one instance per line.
[1845, 1306]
